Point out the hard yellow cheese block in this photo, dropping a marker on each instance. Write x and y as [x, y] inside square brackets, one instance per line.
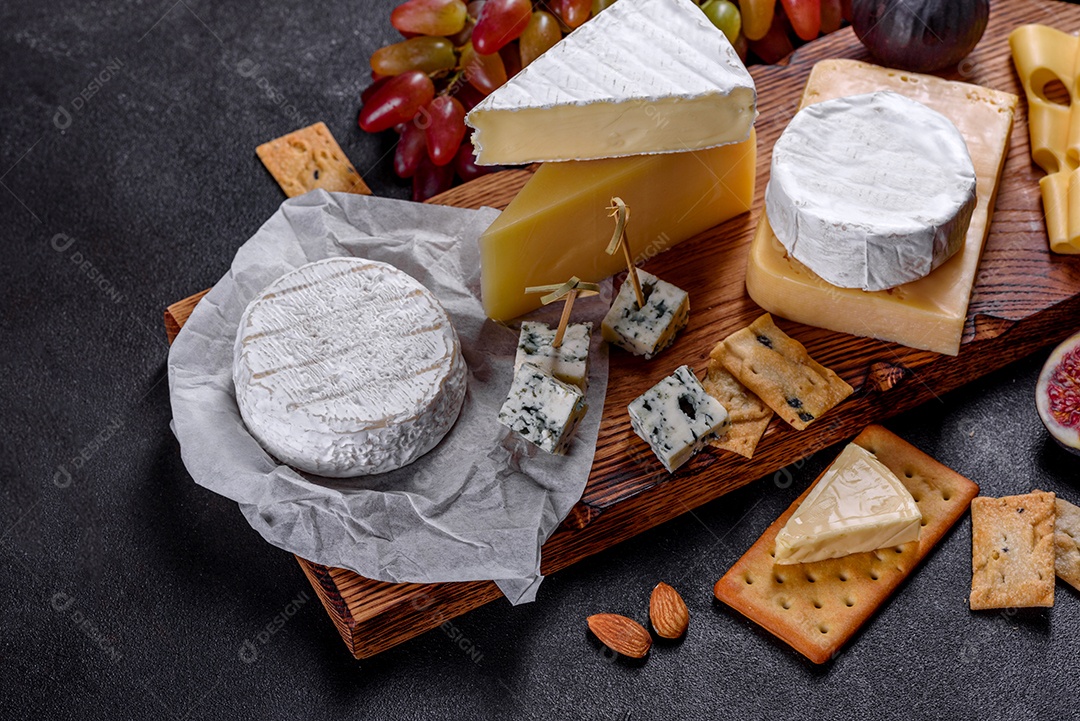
[928, 313]
[558, 225]
[1043, 55]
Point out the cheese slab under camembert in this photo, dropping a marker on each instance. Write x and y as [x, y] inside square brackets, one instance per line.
[643, 76]
[677, 418]
[542, 409]
[558, 225]
[858, 505]
[347, 367]
[870, 191]
[569, 362]
[928, 313]
[646, 330]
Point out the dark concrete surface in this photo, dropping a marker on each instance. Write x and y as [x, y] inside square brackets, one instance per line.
[126, 591]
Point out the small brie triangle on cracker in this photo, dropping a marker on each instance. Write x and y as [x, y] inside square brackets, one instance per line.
[859, 505]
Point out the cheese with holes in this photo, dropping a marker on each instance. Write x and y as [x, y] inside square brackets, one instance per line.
[677, 418]
[644, 76]
[542, 409]
[928, 313]
[646, 330]
[1042, 55]
[858, 505]
[870, 191]
[347, 367]
[558, 225]
[569, 362]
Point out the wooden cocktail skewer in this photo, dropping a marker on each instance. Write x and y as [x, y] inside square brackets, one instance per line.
[571, 290]
[621, 212]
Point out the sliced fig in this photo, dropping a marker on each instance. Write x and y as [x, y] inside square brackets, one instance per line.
[1057, 395]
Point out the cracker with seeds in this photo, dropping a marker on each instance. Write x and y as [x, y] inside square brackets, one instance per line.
[748, 414]
[1012, 551]
[817, 607]
[778, 369]
[1067, 542]
[310, 158]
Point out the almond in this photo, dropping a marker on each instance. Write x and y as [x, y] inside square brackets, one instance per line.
[668, 612]
[621, 634]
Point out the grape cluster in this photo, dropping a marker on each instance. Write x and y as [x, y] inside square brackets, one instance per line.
[455, 53]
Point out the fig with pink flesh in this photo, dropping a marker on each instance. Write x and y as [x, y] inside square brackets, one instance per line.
[1057, 394]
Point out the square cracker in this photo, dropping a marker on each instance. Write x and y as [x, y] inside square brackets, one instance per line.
[1067, 542]
[778, 369]
[1012, 551]
[748, 414]
[817, 607]
[310, 158]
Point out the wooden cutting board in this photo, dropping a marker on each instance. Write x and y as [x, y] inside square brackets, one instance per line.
[1025, 299]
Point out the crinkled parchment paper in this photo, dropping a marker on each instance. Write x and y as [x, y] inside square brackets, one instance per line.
[479, 505]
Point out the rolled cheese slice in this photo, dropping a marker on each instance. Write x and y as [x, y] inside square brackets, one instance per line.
[347, 367]
[870, 191]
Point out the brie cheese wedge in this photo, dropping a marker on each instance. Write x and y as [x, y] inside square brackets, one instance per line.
[858, 505]
[870, 191]
[347, 367]
[642, 77]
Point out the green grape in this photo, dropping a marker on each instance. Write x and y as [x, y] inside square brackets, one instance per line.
[426, 54]
[598, 5]
[724, 15]
[542, 32]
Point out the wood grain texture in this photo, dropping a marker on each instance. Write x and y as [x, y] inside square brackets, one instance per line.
[1024, 299]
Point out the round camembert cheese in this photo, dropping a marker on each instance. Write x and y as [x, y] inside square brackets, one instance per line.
[870, 191]
[347, 367]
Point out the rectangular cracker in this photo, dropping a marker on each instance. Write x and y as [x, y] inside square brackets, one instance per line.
[1067, 542]
[747, 414]
[1012, 551]
[817, 607]
[778, 369]
[310, 158]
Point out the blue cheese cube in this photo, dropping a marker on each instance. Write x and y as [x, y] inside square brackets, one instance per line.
[650, 329]
[676, 417]
[569, 362]
[542, 409]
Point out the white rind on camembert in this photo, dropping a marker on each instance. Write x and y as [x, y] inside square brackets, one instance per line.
[858, 505]
[347, 367]
[642, 77]
[870, 191]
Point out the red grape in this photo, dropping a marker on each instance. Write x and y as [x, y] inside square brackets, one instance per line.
[511, 57]
[485, 72]
[469, 96]
[429, 55]
[805, 17]
[831, 16]
[445, 129]
[776, 44]
[573, 12]
[370, 90]
[429, 17]
[397, 101]
[465, 163]
[500, 22]
[542, 32]
[410, 150]
[431, 179]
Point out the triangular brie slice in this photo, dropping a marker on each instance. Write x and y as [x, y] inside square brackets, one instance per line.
[642, 77]
[858, 505]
